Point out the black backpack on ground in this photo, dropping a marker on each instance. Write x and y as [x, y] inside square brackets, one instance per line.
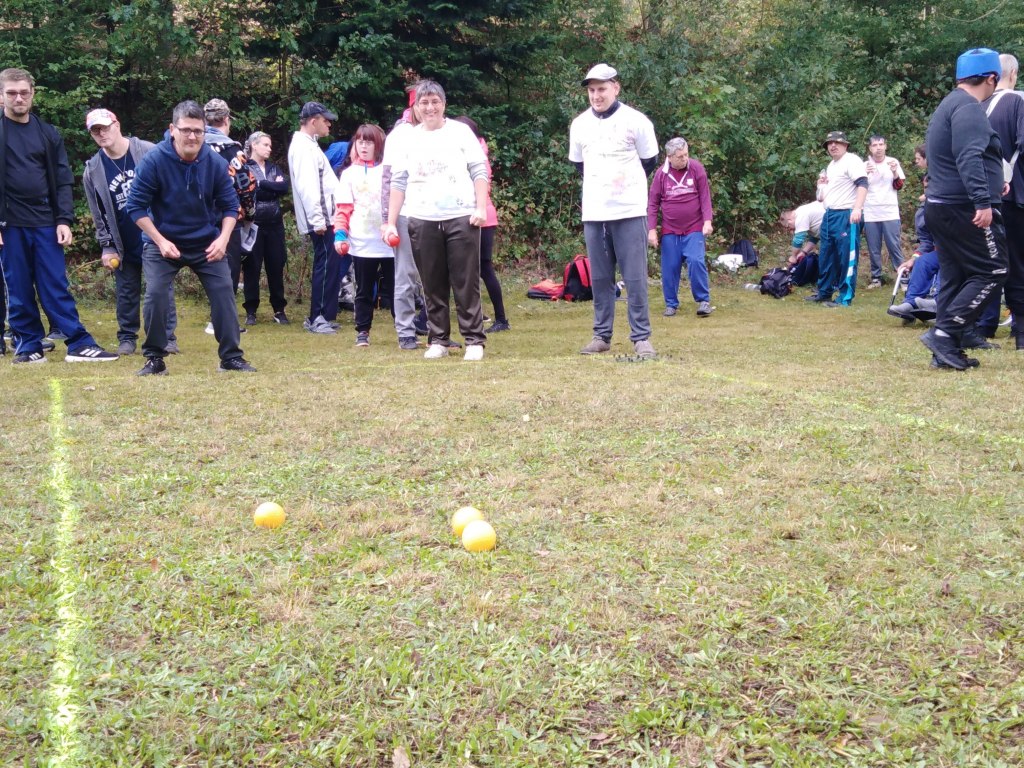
[777, 283]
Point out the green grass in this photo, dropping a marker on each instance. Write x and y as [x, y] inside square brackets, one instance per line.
[785, 543]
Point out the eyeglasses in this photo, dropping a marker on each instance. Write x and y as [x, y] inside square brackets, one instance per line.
[96, 130]
[17, 95]
[195, 132]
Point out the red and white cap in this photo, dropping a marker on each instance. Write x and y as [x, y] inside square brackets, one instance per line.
[100, 117]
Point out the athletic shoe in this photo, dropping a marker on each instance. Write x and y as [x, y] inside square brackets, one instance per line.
[972, 339]
[318, 326]
[48, 346]
[645, 350]
[831, 304]
[29, 357]
[126, 348]
[596, 346]
[281, 318]
[876, 283]
[209, 328]
[816, 298]
[904, 310]
[155, 366]
[57, 335]
[408, 342]
[90, 355]
[474, 352]
[499, 326]
[250, 319]
[239, 364]
[172, 348]
[363, 339]
[704, 309]
[436, 352]
[945, 349]
[972, 362]
[927, 305]
[669, 312]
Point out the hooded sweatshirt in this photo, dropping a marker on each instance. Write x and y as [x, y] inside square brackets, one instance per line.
[186, 201]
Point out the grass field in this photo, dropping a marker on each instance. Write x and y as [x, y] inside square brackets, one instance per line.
[787, 542]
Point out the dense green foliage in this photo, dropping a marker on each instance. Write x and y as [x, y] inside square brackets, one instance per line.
[752, 85]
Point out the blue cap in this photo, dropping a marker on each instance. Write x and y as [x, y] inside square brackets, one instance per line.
[978, 61]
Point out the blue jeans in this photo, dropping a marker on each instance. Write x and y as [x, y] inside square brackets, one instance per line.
[925, 270]
[675, 249]
[622, 242]
[327, 265]
[877, 231]
[33, 262]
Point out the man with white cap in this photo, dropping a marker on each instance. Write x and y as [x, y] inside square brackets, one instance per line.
[313, 184]
[107, 180]
[614, 148]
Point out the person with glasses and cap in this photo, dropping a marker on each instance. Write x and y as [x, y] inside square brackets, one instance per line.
[186, 206]
[313, 187]
[107, 180]
[842, 188]
[36, 213]
[963, 208]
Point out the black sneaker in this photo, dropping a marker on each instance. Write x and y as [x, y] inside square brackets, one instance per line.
[90, 355]
[972, 362]
[499, 325]
[250, 319]
[155, 366]
[816, 298]
[945, 349]
[973, 339]
[236, 364]
[281, 318]
[48, 346]
[29, 357]
[57, 335]
[408, 342]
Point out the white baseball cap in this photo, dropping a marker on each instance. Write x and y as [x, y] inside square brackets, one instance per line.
[99, 117]
[600, 72]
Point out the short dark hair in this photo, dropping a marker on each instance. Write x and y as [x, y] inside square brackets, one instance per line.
[875, 137]
[922, 150]
[978, 79]
[189, 109]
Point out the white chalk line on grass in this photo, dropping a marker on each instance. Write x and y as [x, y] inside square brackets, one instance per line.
[63, 698]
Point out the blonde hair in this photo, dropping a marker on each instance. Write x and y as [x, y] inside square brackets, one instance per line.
[253, 138]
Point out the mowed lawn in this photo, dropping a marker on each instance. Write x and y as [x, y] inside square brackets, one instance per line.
[787, 542]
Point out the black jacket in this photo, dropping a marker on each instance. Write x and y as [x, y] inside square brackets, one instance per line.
[268, 193]
[58, 172]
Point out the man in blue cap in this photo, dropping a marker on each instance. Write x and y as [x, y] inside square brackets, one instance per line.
[962, 207]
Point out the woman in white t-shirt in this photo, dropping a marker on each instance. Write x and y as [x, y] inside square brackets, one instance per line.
[440, 183]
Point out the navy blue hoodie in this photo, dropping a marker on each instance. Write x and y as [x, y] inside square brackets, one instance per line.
[186, 201]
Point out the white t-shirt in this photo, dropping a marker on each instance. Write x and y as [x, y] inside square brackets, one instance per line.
[439, 186]
[840, 175]
[360, 185]
[614, 182]
[807, 218]
[882, 204]
[396, 142]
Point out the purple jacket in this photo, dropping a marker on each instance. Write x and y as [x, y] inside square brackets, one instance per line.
[683, 197]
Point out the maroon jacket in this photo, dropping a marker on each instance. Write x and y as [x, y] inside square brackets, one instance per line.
[683, 197]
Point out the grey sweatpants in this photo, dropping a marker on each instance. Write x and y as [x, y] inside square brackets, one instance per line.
[622, 242]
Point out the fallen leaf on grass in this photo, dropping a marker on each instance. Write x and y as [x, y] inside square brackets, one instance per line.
[400, 759]
[947, 588]
[599, 737]
[88, 389]
[542, 553]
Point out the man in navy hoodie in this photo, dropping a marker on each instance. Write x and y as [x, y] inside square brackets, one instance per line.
[184, 203]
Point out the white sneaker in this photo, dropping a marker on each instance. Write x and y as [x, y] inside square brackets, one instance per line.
[437, 351]
[209, 328]
[474, 352]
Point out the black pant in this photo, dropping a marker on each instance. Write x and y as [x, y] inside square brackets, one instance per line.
[372, 274]
[488, 275]
[972, 263]
[323, 296]
[269, 250]
[1013, 217]
[233, 256]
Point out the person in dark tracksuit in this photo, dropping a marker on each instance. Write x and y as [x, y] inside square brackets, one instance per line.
[36, 212]
[962, 208]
